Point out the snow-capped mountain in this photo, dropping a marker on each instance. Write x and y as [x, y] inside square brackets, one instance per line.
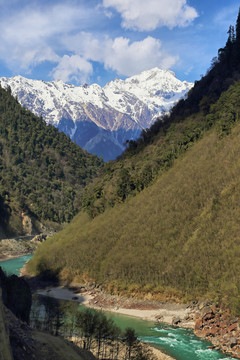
[100, 120]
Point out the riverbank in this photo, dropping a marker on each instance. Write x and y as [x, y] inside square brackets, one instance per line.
[13, 248]
[7, 257]
[168, 313]
[20, 246]
[202, 317]
[88, 298]
[93, 296]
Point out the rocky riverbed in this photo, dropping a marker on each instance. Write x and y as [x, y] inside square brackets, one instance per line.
[209, 321]
[217, 326]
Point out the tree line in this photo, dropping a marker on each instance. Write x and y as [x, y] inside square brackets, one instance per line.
[89, 329]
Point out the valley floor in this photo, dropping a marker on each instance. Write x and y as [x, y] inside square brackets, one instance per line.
[152, 311]
[167, 313]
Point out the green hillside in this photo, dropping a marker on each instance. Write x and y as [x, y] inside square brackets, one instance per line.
[42, 173]
[164, 218]
[170, 136]
[179, 236]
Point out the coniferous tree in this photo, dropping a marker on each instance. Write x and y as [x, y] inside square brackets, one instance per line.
[229, 45]
[225, 54]
[237, 42]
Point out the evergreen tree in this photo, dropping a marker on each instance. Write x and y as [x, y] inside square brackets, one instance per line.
[229, 45]
[225, 54]
[42, 172]
[238, 36]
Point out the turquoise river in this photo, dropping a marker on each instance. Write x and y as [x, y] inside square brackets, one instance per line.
[179, 343]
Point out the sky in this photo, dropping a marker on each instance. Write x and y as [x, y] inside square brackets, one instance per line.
[96, 41]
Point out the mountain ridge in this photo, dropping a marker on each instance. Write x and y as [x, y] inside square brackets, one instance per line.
[101, 118]
[164, 218]
[42, 172]
[171, 238]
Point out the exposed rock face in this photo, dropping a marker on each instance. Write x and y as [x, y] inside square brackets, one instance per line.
[215, 325]
[100, 120]
[27, 224]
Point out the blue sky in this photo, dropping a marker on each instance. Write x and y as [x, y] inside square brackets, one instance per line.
[98, 40]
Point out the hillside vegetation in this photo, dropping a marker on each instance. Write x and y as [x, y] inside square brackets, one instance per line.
[180, 236]
[42, 173]
[164, 218]
[170, 136]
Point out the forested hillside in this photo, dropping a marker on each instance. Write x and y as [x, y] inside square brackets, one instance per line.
[42, 173]
[179, 235]
[169, 137]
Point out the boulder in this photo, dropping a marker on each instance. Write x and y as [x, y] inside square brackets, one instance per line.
[39, 238]
[233, 327]
[232, 341]
[198, 324]
[176, 320]
[159, 317]
[207, 312]
[203, 303]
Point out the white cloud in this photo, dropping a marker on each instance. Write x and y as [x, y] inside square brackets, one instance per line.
[148, 15]
[33, 35]
[61, 34]
[131, 58]
[120, 54]
[108, 14]
[86, 45]
[72, 68]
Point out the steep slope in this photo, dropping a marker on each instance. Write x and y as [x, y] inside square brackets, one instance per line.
[5, 353]
[171, 135]
[42, 173]
[27, 343]
[101, 119]
[179, 236]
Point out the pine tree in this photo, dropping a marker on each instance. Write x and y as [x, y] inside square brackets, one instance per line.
[237, 42]
[228, 50]
[231, 35]
[238, 27]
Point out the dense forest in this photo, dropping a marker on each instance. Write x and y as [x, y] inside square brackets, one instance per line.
[42, 172]
[175, 229]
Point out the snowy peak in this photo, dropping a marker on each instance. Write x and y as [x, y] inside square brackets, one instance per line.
[101, 119]
[156, 88]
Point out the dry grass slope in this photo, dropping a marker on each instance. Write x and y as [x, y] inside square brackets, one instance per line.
[181, 235]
